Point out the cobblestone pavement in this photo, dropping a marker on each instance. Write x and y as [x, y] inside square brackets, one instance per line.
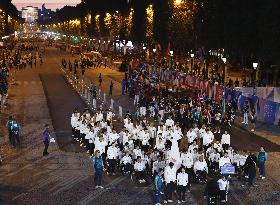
[42, 96]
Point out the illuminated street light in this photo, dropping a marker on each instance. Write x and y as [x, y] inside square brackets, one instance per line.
[171, 53]
[154, 50]
[225, 70]
[178, 2]
[255, 65]
[144, 47]
[192, 61]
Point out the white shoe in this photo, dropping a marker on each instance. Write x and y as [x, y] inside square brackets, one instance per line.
[183, 201]
[179, 202]
[215, 132]
[170, 201]
[263, 177]
[165, 202]
[101, 187]
[96, 187]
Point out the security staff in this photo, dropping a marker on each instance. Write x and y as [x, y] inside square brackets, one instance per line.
[15, 128]
[9, 126]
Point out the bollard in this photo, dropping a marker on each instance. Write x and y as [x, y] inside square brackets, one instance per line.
[112, 104]
[85, 94]
[88, 97]
[94, 103]
[120, 111]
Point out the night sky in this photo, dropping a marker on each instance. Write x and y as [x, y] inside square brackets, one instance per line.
[52, 4]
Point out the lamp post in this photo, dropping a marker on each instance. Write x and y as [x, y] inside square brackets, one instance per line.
[154, 50]
[171, 57]
[144, 52]
[255, 66]
[225, 70]
[192, 61]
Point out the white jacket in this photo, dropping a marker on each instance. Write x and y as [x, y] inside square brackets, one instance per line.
[225, 139]
[223, 161]
[112, 153]
[187, 159]
[182, 179]
[170, 174]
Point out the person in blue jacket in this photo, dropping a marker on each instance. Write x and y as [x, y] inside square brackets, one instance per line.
[262, 158]
[158, 186]
[99, 167]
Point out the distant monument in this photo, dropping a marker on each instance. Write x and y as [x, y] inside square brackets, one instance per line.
[30, 14]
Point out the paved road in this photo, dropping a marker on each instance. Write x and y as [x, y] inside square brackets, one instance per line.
[66, 175]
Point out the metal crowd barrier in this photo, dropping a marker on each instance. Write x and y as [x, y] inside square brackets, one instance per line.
[82, 85]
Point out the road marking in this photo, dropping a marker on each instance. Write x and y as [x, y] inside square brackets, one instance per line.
[96, 193]
[41, 184]
[139, 193]
[69, 185]
[19, 170]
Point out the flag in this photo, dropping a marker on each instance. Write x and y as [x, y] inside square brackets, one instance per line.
[270, 94]
[241, 102]
[227, 94]
[253, 101]
[270, 111]
[123, 86]
[235, 94]
[277, 94]
[260, 109]
[196, 82]
[219, 93]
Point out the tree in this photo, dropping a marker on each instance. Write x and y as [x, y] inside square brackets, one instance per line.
[161, 19]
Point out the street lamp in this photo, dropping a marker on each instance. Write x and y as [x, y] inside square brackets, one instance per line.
[178, 2]
[154, 50]
[255, 66]
[225, 70]
[171, 59]
[144, 52]
[192, 61]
